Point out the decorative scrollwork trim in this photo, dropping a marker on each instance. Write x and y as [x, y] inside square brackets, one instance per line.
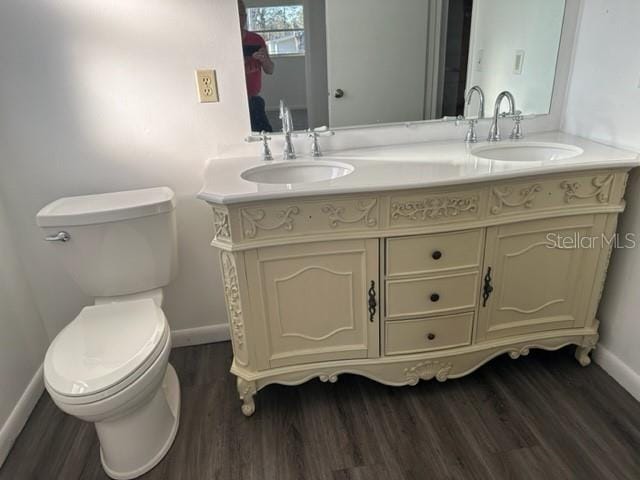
[527, 196]
[221, 225]
[428, 370]
[232, 296]
[253, 220]
[434, 208]
[337, 214]
[517, 353]
[328, 378]
[601, 190]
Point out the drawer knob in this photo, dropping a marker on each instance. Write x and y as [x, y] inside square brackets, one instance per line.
[435, 297]
[436, 255]
[431, 336]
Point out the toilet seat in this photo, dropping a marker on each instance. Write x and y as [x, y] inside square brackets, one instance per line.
[105, 349]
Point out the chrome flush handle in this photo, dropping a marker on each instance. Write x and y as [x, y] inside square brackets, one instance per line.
[58, 237]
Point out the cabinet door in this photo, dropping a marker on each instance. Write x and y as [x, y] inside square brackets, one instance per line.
[541, 280]
[313, 299]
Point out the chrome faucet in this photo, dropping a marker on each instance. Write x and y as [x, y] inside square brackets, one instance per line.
[494, 130]
[471, 136]
[289, 152]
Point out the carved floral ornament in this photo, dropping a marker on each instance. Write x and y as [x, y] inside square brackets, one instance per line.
[221, 225]
[516, 353]
[427, 370]
[525, 199]
[255, 220]
[232, 296]
[337, 215]
[601, 188]
[434, 208]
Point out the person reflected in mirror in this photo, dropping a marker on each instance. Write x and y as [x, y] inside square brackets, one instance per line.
[256, 61]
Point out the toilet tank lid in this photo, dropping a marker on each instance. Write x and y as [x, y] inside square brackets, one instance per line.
[106, 207]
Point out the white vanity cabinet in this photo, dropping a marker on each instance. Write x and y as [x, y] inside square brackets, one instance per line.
[415, 284]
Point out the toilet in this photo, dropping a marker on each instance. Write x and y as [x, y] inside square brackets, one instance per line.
[110, 365]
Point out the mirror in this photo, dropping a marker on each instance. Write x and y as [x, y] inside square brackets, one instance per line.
[343, 63]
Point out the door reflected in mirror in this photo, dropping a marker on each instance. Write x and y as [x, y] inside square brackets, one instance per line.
[343, 63]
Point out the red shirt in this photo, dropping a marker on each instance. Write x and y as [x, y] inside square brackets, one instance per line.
[252, 67]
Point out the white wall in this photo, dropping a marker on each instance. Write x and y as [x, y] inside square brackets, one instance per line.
[499, 28]
[23, 341]
[100, 96]
[604, 104]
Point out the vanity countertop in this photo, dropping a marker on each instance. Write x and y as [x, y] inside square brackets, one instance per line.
[408, 166]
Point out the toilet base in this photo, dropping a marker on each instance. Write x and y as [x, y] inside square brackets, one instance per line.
[164, 408]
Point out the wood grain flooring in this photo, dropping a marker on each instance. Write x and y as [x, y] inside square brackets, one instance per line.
[539, 417]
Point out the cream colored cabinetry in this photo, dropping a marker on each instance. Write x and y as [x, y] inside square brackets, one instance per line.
[410, 285]
[540, 281]
[311, 301]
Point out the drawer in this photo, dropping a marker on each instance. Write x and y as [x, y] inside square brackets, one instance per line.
[431, 253]
[431, 295]
[411, 336]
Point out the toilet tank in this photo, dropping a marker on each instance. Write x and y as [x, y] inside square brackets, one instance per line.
[118, 243]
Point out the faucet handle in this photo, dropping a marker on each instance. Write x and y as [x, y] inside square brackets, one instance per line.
[256, 137]
[314, 134]
[471, 136]
[322, 131]
[516, 133]
[264, 138]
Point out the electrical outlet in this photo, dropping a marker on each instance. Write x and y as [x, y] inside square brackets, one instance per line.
[518, 62]
[207, 86]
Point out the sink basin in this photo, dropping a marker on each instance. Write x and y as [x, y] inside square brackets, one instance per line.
[527, 152]
[296, 171]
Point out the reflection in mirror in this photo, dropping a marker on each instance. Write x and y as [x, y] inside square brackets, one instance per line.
[345, 63]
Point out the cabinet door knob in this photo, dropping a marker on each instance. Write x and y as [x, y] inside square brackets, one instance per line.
[431, 336]
[435, 297]
[339, 93]
[436, 255]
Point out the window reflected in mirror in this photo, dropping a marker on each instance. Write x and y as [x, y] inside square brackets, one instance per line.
[342, 63]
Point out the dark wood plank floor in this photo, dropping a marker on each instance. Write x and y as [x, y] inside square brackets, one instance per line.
[539, 417]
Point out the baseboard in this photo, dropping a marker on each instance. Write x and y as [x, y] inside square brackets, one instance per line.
[619, 370]
[20, 414]
[200, 335]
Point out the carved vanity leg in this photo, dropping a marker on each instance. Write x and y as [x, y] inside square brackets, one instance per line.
[583, 351]
[582, 355]
[247, 390]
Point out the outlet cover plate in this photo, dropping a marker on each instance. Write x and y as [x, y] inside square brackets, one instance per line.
[207, 85]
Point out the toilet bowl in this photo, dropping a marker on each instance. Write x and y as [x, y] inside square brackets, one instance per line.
[110, 365]
[120, 379]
